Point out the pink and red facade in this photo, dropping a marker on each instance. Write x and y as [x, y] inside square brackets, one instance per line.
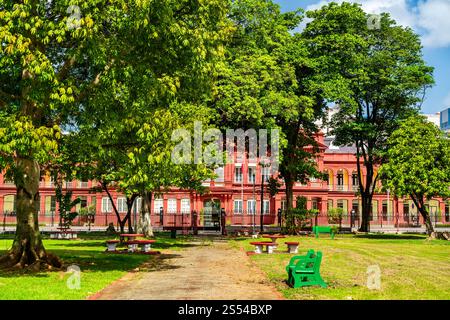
[239, 195]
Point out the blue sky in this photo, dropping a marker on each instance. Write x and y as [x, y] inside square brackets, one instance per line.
[429, 18]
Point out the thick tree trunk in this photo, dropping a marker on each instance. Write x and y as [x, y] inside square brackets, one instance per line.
[427, 219]
[145, 223]
[366, 202]
[122, 226]
[420, 204]
[289, 184]
[28, 250]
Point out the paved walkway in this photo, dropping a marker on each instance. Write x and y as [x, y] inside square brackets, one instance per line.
[200, 272]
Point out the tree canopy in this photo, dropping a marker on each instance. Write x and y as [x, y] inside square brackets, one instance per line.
[418, 164]
[69, 65]
[377, 76]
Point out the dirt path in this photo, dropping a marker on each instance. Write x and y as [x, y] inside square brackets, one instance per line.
[201, 272]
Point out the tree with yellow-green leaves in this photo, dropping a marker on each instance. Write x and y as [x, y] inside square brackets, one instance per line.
[73, 66]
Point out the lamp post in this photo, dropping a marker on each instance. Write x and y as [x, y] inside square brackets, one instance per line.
[262, 165]
[388, 191]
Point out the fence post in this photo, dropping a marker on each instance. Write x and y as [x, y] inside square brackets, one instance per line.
[194, 223]
[223, 221]
[4, 221]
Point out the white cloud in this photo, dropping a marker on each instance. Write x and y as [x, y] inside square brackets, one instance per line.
[430, 18]
[434, 20]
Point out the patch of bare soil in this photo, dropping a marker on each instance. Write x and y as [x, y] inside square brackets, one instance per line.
[201, 272]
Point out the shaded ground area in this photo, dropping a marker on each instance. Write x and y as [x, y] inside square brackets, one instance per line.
[202, 272]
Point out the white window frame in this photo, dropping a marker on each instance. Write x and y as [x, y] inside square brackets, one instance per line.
[106, 202]
[251, 206]
[172, 205]
[238, 177]
[122, 204]
[185, 205]
[137, 205]
[251, 178]
[266, 207]
[265, 171]
[238, 209]
[158, 203]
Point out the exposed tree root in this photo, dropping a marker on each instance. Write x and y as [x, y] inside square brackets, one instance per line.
[13, 261]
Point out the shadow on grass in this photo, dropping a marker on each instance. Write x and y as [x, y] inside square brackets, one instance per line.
[101, 243]
[390, 236]
[95, 261]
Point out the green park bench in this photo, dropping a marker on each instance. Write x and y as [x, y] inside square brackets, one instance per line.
[323, 229]
[305, 270]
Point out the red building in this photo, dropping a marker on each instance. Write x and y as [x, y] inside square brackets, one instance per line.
[237, 190]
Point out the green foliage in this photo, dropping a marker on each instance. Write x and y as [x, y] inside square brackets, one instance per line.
[265, 83]
[66, 204]
[335, 215]
[115, 78]
[273, 186]
[419, 161]
[299, 217]
[376, 76]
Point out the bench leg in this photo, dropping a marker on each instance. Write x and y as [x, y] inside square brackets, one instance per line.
[146, 248]
[269, 249]
[292, 248]
[111, 246]
[258, 248]
[132, 247]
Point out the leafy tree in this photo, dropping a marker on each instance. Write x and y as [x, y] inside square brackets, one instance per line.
[418, 164]
[299, 217]
[66, 204]
[377, 77]
[335, 215]
[263, 85]
[136, 160]
[58, 70]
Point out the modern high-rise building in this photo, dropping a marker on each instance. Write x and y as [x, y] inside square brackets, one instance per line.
[445, 123]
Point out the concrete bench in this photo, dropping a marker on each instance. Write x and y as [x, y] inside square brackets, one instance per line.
[260, 245]
[112, 244]
[68, 234]
[144, 244]
[292, 246]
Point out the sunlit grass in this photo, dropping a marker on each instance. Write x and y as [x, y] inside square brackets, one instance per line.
[411, 267]
[98, 269]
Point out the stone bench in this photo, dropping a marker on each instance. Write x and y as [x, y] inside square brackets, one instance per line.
[260, 245]
[292, 246]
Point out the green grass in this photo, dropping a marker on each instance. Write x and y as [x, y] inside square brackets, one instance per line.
[411, 266]
[98, 269]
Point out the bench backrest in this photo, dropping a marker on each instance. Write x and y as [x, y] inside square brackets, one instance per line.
[321, 229]
[294, 259]
[312, 262]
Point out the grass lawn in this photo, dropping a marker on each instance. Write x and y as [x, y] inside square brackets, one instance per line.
[98, 269]
[411, 266]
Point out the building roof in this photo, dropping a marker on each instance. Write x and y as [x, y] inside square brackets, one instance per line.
[337, 149]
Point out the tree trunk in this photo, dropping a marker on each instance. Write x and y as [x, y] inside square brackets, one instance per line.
[366, 202]
[145, 223]
[418, 200]
[122, 226]
[28, 250]
[289, 184]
